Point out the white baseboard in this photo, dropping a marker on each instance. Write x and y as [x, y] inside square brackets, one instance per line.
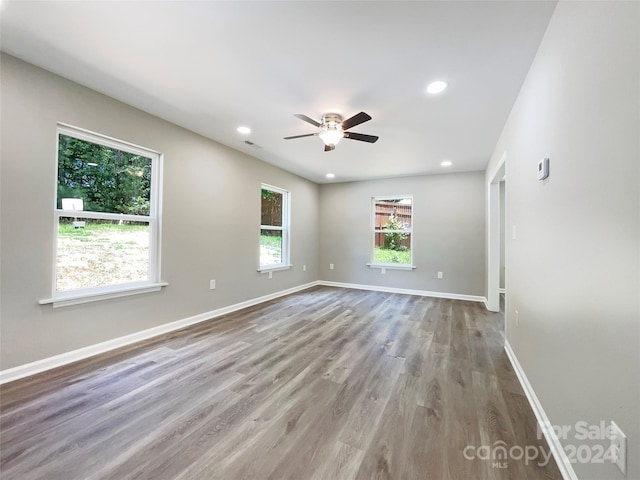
[564, 465]
[45, 364]
[422, 293]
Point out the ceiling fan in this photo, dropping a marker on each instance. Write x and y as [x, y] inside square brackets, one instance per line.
[332, 128]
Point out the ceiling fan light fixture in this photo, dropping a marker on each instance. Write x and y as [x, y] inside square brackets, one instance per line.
[331, 136]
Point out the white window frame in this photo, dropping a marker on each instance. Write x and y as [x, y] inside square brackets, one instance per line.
[374, 231]
[285, 229]
[153, 283]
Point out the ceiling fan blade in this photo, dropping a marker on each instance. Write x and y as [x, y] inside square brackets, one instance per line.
[361, 136]
[355, 120]
[300, 136]
[328, 148]
[304, 118]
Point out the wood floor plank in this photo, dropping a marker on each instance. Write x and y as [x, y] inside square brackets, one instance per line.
[326, 383]
[265, 444]
[387, 449]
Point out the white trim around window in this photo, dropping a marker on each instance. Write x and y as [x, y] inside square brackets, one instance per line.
[73, 295]
[378, 230]
[266, 258]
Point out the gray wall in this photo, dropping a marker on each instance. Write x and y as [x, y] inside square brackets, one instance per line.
[211, 219]
[574, 269]
[448, 232]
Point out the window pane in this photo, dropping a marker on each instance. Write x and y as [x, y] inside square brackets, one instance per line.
[393, 214]
[271, 208]
[97, 178]
[392, 248]
[270, 247]
[94, 253]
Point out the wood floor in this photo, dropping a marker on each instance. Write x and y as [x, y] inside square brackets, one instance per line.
[324, 384]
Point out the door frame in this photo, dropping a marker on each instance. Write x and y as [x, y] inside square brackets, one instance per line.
[493, 234]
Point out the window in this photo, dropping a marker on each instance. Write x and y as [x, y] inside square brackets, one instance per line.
[106, 216]
[274, 228]
[392, 228]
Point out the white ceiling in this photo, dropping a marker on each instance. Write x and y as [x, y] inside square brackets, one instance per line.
[212, 66]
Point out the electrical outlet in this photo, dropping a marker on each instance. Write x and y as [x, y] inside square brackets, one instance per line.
[619, 448]
[331, 266]
[440, 275]
[517, 318]
[212, 284]
[304, 268]
[270, 275]
[513, 232]
[383, 271]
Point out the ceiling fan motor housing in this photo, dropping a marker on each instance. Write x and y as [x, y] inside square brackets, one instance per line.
[332, 121]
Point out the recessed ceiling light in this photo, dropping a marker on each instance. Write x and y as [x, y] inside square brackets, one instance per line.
[436, 87]
[446, 163]
[331, 175]
[244, 130]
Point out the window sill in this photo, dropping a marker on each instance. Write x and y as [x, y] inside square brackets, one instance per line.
[274, 268]
[391, 266]
[76, 298]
